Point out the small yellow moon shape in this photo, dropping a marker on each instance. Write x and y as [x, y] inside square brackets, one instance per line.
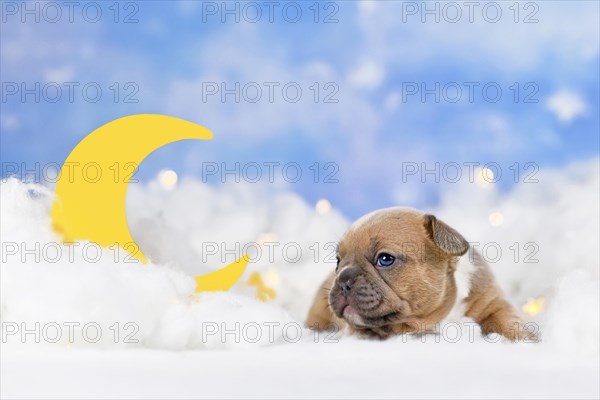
[92, 186]
[224, 277]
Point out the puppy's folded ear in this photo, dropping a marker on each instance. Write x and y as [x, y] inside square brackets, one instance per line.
[446, 238]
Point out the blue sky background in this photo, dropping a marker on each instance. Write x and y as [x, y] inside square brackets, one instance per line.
[369, 53]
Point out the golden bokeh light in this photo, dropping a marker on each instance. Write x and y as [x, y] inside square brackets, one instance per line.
[496, 218]
[323, 206]
[533, 306]
[167, 179]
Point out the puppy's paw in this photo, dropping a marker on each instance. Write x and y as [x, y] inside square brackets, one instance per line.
[378, 333]
[513, 329]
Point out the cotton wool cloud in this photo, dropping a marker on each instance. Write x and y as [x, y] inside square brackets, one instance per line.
[173, 226]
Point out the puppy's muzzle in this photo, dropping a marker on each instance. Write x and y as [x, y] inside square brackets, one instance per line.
[354, 290]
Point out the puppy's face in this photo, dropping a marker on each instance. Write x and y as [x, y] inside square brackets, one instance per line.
[395, 267]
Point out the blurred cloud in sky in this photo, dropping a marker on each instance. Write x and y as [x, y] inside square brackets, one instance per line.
[412, 83]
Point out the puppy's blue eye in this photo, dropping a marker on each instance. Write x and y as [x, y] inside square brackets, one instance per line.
[385, 260]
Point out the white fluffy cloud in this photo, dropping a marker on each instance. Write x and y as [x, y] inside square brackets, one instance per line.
[559, 214]
[405, 34]
[567, 105]
[185, 232]
[367, 75]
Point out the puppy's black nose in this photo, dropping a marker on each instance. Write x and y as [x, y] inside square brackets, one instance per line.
[347, 278]
[345, 288]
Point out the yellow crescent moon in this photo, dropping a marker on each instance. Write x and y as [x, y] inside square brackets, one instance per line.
[92, 185]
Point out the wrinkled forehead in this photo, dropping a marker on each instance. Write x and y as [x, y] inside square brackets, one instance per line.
[390, 227]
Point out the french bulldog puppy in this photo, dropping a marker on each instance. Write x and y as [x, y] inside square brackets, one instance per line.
[403, 271]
